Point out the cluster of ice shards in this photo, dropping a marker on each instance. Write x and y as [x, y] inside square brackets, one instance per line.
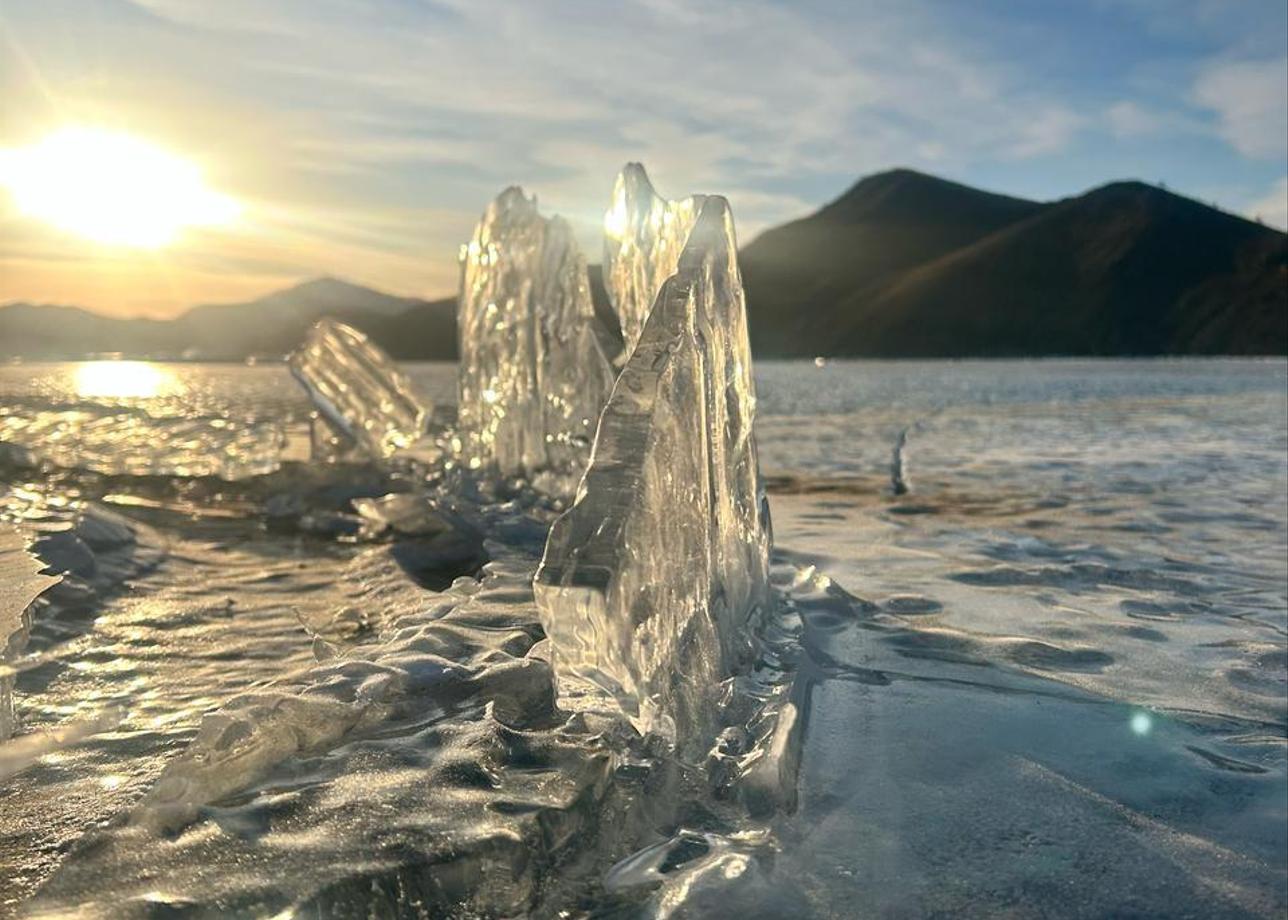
[650, 580]
[644, 235]
[361, 394]
[533, 373]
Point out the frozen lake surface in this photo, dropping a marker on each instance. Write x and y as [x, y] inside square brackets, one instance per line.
[1051, 679]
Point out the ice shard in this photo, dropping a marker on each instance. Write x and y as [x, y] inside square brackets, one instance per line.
[644, 235]
[362, 396]
[650, 580]
[533, 373]
[21, 582]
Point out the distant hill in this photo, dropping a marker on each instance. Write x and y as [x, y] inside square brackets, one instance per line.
[406, 327]
[270, 326]
[903, 264]
[48, 331]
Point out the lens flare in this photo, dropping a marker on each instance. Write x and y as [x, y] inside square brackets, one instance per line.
[1141, 723]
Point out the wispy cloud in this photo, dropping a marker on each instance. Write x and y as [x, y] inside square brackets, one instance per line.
[1047, 131]
[1250, 99]
[1131, 119]
[562, 94]
[366, 137]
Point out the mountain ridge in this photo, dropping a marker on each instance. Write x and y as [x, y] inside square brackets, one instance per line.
[902, 263]
[1122, 269]
[268, 326]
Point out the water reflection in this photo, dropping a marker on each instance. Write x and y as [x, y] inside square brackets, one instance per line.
[123, 380]
[137, 418]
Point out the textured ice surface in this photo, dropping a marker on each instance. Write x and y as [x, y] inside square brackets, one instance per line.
[79, 553]
[1014, 622]
[650, 579]
[533, 371]
[644, 235]
[117, 441]
[418, 769]
[358, 389]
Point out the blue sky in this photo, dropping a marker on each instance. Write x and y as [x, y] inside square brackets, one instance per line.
[366, 137]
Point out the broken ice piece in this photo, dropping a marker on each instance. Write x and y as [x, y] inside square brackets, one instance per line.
[21, 582]
[358, 389]
[650, 580]
[328, 444]
[533, 374]
[643, 237]
[410, 514]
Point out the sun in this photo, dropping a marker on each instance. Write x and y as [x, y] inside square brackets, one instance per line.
[111, 188]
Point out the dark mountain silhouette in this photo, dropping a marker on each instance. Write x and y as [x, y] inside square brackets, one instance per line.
[902, 264]
[883, 226]
[905, 264]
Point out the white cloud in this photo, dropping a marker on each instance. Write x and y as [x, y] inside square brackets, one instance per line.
[358, 111]
[1130, 119]
[1273, 208]
[1048, 131]
[1250, 99]
[766, 85]
[1127, 119]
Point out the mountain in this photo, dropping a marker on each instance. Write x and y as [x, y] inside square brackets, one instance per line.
[270, 326]
[884, 225]
[274, 324]
[48, 331]
[901, 265]
[905, 264]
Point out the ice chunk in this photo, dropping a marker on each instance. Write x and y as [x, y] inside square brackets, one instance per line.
[643, 237]
[25, 750]
[533, 374]
[650, 579]
[358, 389]
[328, 444]
[20, 584]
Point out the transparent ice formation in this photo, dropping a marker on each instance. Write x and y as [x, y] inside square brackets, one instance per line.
[359, 391]
[20, 584]
[644, 235]
[649, 581]
[533, 372]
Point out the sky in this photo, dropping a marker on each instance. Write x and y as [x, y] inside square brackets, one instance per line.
[363, 138]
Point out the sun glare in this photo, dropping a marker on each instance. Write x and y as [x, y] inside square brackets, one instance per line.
[121, 380]
[111, 188]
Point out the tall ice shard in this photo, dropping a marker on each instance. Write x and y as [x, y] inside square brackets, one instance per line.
[644, 235]
[651, 578]
[533, 375]
[358, 390]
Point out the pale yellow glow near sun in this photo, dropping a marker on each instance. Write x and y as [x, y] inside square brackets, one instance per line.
[111, 188]
[121, 379]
